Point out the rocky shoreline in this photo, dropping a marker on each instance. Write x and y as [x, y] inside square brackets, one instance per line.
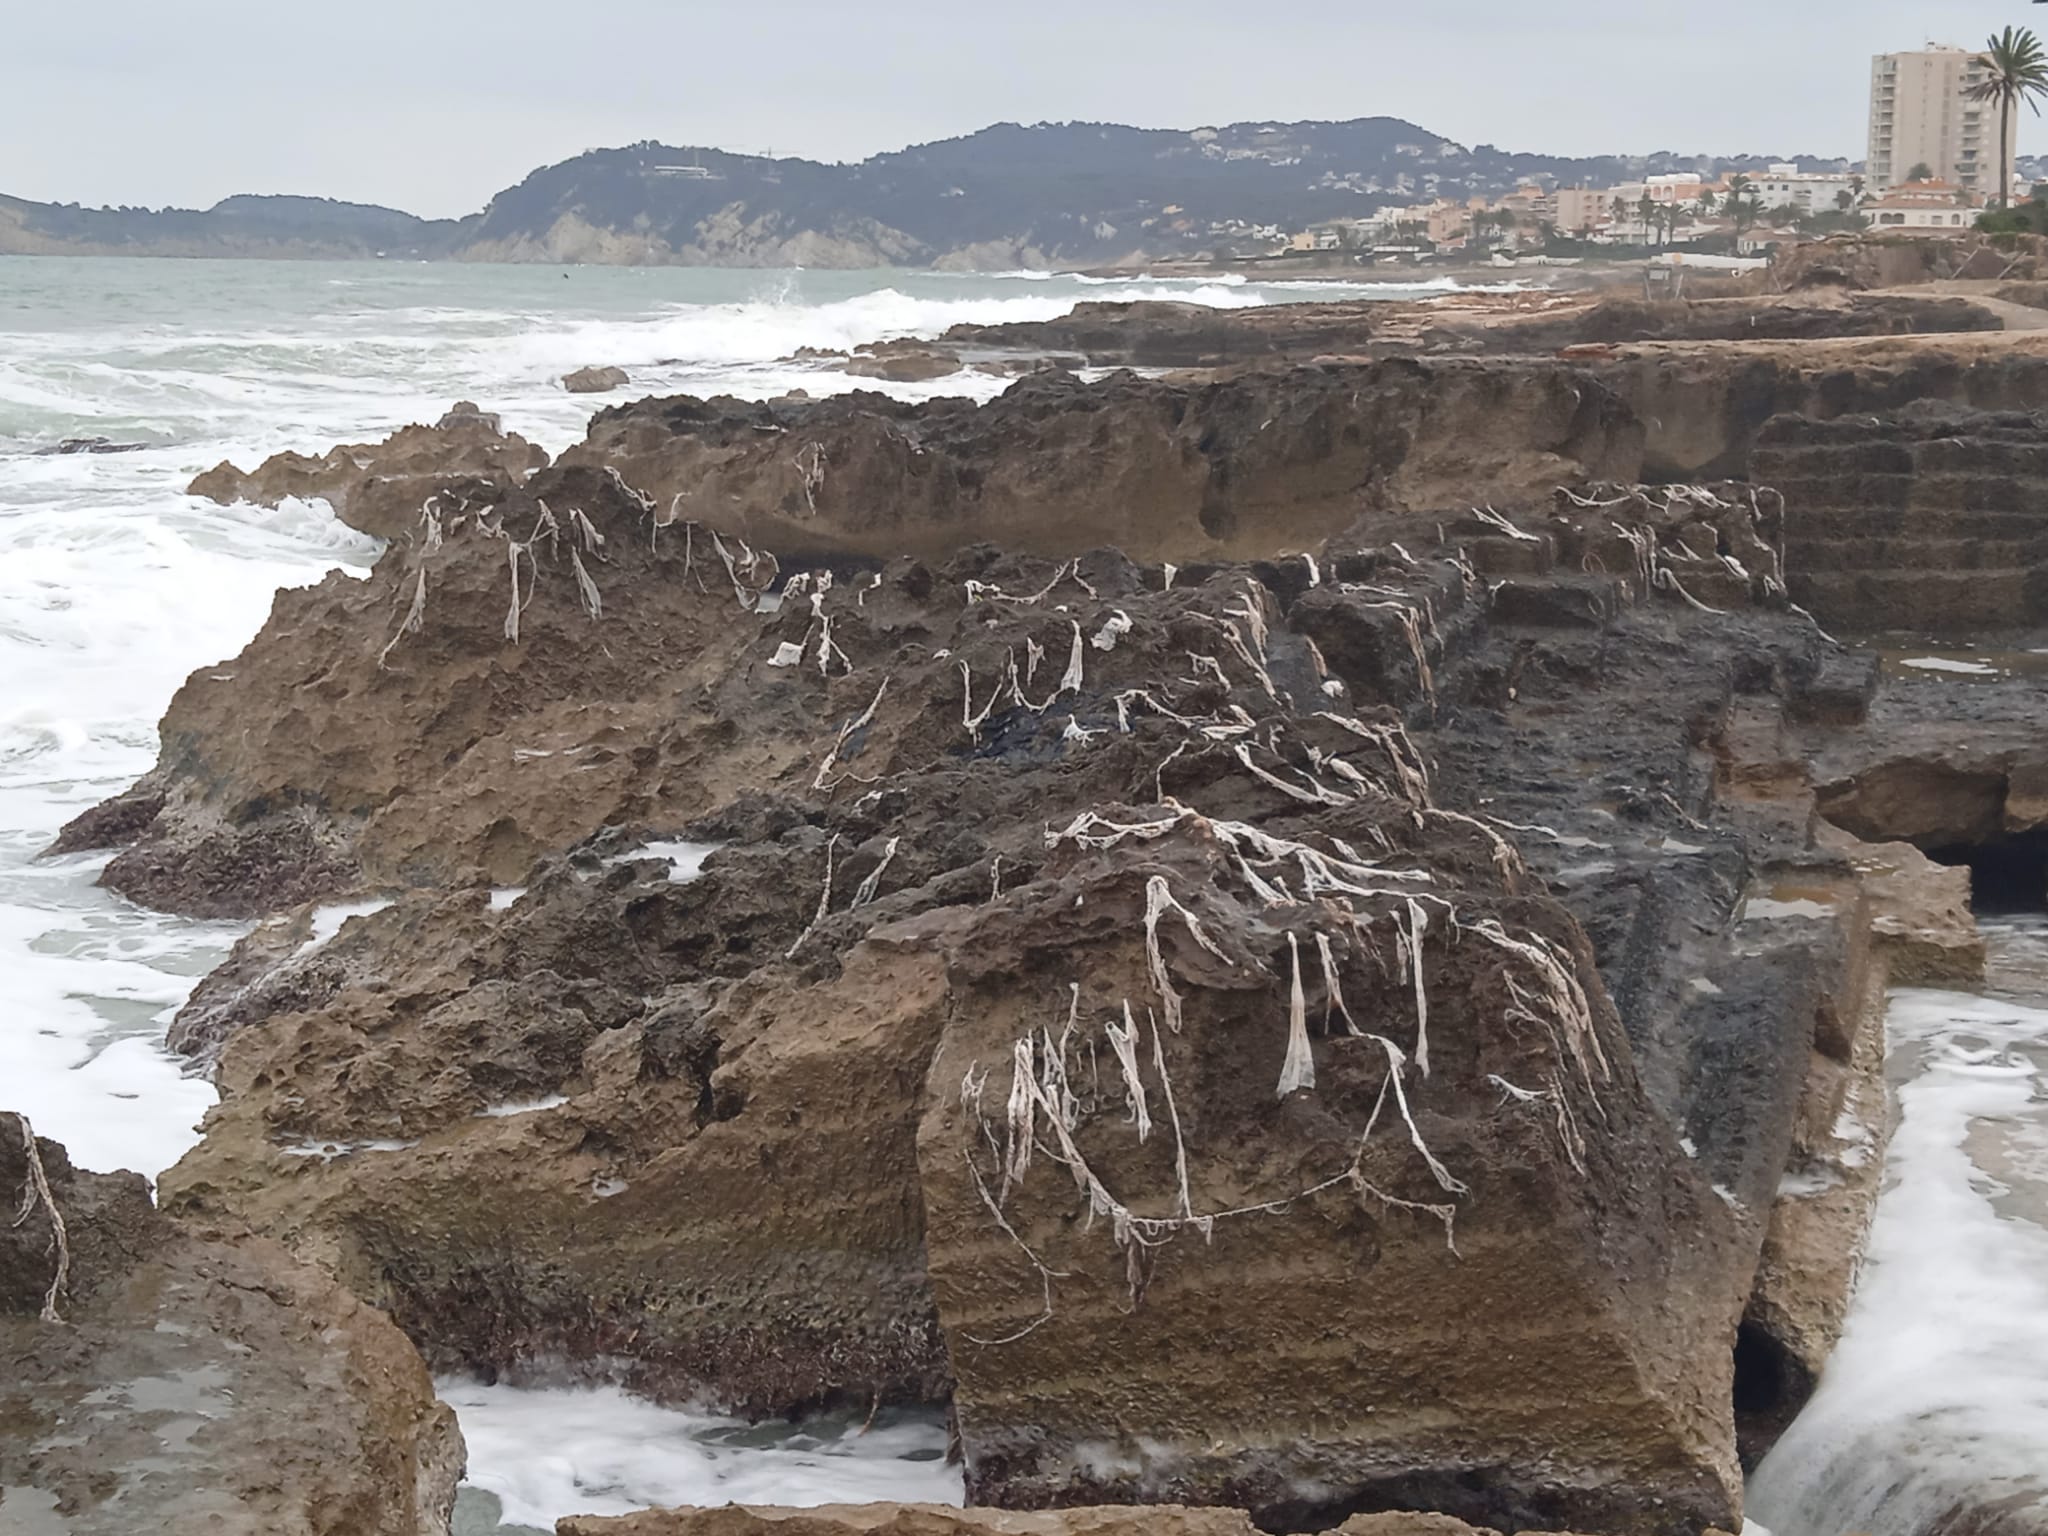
[1299, 942]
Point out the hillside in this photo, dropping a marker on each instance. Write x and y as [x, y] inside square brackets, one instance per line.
[1007, 196]
[1052, 194]
[245, 225]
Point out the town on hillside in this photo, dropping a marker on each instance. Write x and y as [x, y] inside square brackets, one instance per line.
[1932, 168]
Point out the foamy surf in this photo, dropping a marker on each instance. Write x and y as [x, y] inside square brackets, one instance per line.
[1936, 1399]
[538, 1454]
[113, 586]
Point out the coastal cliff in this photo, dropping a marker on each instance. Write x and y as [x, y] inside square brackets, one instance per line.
[1292, 938]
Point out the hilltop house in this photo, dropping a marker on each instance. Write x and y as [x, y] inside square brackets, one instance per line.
[1923, 208]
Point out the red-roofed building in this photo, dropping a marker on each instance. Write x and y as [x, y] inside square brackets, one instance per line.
[1924, 208]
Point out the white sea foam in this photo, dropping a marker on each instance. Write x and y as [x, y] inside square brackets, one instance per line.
[546, 1453]
[1955, 664]
[1937, 1396]
[328, 921]
[685, 860]
[112, 587]
[1756, 909]
[328, 1151]
[523, 1107]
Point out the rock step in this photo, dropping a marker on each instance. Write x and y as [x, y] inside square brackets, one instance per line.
[1913, 552]
[1808, 521]
[1851, 488]
[1844, 481]
[1966, 457]
[1934, 600]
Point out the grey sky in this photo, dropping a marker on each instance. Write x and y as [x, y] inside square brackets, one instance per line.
[433, 106]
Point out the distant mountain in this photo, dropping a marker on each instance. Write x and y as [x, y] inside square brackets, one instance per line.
[1053, 194]
[245, 225]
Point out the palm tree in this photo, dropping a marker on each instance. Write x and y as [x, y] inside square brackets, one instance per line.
[1646, 210]
[1619, 211]
[2018, 73]
[1744, 204]
[1706, 203]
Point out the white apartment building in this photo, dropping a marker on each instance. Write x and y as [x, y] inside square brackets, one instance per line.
[1921, 113]
[1808, 192]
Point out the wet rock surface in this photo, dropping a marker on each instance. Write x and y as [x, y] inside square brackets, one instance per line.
[595, 380]
[904, 362]
[186, 1381]
[71, 445]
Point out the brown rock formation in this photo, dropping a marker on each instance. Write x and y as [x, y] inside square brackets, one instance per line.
[595, 381]
[673, 1040]
[197, 1383]
[260, 813]
[1703, 404]
[1624, 320]
[904, 362]
[1925, 519]
[379, 488]
[1180, 1273]
[1237, 468]
[859, 1114]
[258, 818]
[1951, 763]
[1880, 261]
[1703, 376]
[1154, 334]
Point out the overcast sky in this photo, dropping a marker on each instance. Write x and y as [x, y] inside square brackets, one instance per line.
[433, 106]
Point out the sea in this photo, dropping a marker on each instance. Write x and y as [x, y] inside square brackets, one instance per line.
[114, 585]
